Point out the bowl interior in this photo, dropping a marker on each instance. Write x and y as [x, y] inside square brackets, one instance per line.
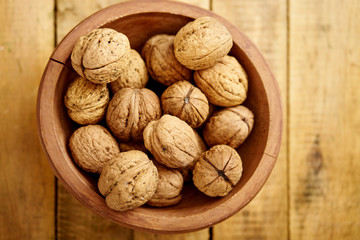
[139, 27]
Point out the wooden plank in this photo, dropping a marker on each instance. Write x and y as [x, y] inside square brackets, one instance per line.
[26, 181]
[324, 119]
[74, 220]
[265, 23]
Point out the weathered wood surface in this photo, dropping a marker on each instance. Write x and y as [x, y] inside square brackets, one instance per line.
[313, 192]
[324, 134]
[26, 181]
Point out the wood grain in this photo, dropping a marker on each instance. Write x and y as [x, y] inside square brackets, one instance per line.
[265, 23]
[26, 181]
[324, 102]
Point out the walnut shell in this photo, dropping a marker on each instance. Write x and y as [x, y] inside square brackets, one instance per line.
[128, 181]
[168, 191]
[130, 110]
[217, 171]
[134, 76]
[187, 102]
[85, 101]
[161, 63]
[229, 126]
[224, 84]
[172, 142]
[132, 146]
[202, 43]
[92, 146]
[101, 55]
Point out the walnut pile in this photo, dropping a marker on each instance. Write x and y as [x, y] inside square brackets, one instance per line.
[147, 147]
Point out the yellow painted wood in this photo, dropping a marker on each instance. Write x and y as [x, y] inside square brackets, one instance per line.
[324, 165]
[265, 23]
[26, 180]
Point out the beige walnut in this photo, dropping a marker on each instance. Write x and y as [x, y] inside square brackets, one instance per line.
[229, 126]
[92, 146]
[127, 146]
[187, 102]
[101, 55]
[202, 43]
[134, 76]
[224, 84]
[130, 110]
[85, 101]
[128, 181]
[217, 171]
[160, 60]
[168, 191]
[172, 142]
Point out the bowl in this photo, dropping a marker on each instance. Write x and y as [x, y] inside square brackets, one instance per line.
[140, 20]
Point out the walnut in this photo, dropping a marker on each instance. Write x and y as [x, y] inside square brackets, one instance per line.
[92, 146]
[224, 84]
[128, 181]
[130, 110]
[85, 101]
[132, 146]
[217, 171]
[168, 191]
[172, 142]
[202, 43]
[230, 126]
[187, 102]
[161, 63]
[134, 76]
[101, 55]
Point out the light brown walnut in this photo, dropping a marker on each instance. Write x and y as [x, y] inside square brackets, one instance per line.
[229, 126]
[85, 101]
[101, 56]
[130, 110]
[217, 171]
[134, 76]
[187, 102]
[168, 191]
[224, 84]
[202, 43]
[160, 60]
[172, 142]
[92, 146]
[128, 181]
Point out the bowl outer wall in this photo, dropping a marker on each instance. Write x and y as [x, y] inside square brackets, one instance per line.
[143, 219]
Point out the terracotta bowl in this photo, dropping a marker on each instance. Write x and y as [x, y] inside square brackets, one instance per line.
[140, 20]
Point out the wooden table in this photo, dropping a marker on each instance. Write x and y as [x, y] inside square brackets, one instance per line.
[314, 191]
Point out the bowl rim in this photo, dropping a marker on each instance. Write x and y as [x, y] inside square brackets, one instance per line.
[134, 219]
